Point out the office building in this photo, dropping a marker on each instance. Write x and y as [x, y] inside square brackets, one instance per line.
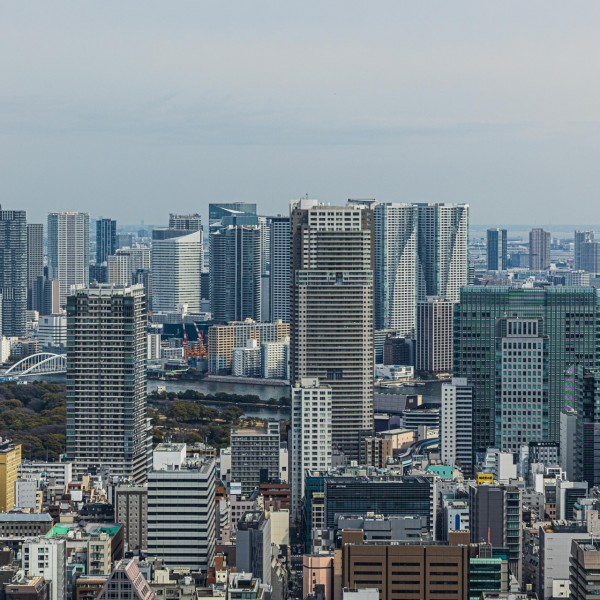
[568, 494]
[220, 210]
[253, 545]
[52, 333]
[539, 250]
[45, 296]
[584, 565]
[589, 257]
[442, 250]
[235, 271]
[419, 571]
[254, 450]
[581, 238]
[35, 257]
[568, 321]
[118, 270]
[48, 558]
[181, 509]
[106, 381]
[497, 255]
[68, 250]
[106, 239]
[126, 582]
[280, 283]
[13, 274]
[176, 270]
[395, 246]
[131, 504]
[28, 588]
[310, 433]
[332, 312]
[434, 335]
[10, 459]
[191, 222]
[456, 425]
[495, 518]
[222, 339]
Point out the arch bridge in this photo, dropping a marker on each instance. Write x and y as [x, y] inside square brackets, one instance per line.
[43, 363]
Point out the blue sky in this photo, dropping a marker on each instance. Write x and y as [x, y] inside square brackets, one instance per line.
[135, 109]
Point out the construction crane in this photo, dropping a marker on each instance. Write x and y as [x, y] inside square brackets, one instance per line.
[202, 352]
[185, 339]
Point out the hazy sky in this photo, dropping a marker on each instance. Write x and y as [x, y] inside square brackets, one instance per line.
[133, 109]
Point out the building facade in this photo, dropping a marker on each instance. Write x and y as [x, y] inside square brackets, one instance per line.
[434, 335]
[106, 239]
[106, 381]
[539, 249]
[35, 257]
[456, 425]
[280, 283]
[497, 250]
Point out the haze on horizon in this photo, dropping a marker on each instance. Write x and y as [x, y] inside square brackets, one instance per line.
[135, 109]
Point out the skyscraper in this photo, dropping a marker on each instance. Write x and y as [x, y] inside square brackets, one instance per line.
[332, 312]
[35, 257]
[581, 238]
[68, 250]
[280, 284]
[442, 250]
[434, 335]
[539, 249]
[568, 318]
[235, 271]
[218, 210]
[497, 255]
[13, 272]
[176, 269]
[106, 381]
[106, 239]
[456, 425]
[395, 242]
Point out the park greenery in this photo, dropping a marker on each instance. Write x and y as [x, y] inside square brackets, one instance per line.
[34, 415]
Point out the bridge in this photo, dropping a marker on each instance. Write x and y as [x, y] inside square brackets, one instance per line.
[43, 363]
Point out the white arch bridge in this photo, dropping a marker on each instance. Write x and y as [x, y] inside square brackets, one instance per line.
[43, 363]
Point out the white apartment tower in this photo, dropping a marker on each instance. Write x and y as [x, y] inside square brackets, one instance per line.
[311, 433]
[106, 381]
[442, 250]
[176, 272]
[395, 240]
[456, 425]
[69, 250]
[332, 312]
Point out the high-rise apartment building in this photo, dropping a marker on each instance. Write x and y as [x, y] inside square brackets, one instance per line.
[395, 247]
[280, 283]
[332, 312]
[118, 269]
[106, 381]
[568, 319]
[497, 253]
[434, 335]
[589, 257]
[131, 510]
[456, 425]
[581, 238]
[35, 258]
[539, 249]
[253, 545]
[235, 271]
[13, 272]
[106, 239]
[181, 509]
[310, 434]
[176, 269]
[442, 248]
[68, 250]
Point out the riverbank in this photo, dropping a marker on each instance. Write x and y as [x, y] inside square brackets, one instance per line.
[247, 380]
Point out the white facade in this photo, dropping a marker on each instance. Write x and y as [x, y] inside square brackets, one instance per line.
[395, 242]
[176, 272]
[311, 433]
[61, 472]
[500, 464]
[168, 456]
[275, 358]
[153, 346]
[5, 342]
[118, 269]
[48, 558]
[245, 362]
[456, 424]
[26, 494]
[69, 250]
[52, 331]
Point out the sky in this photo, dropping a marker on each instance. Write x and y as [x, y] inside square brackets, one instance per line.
[135, 109]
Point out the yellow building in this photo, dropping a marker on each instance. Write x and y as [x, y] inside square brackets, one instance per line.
[10, 459]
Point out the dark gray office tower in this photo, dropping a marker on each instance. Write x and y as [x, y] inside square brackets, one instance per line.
[581, 238]
[539, 250]
[497, 255]
[106, 381]
[106, 239]
[565, 333]
[217, 211]
[13, 272]
[280, 240]
[35, 258]
[589, 257]
[235, 271]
